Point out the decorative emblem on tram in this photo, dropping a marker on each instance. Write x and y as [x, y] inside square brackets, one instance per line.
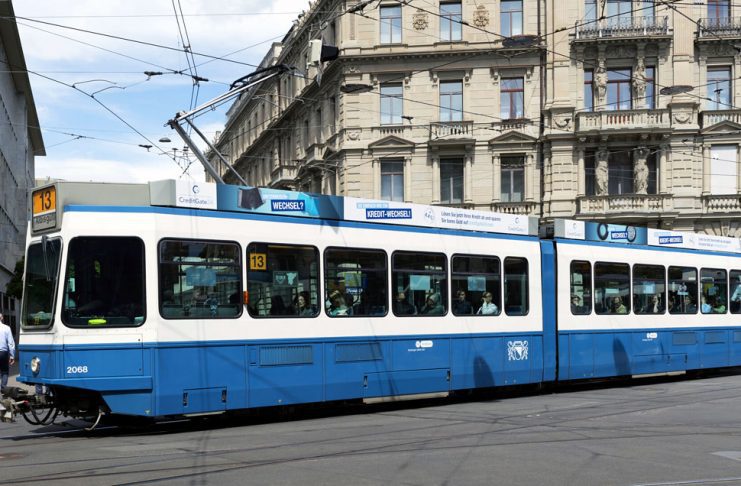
[516, 350]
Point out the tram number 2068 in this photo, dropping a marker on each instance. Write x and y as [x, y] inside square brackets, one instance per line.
[72, 370]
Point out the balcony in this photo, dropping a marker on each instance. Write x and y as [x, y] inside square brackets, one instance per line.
[528, 208]
[712, 29]
[721, 204]
[625, 203]
[713, 117]
[283, 176]
[622, 28]
[401, 131]
[451, 130]
[625, 120]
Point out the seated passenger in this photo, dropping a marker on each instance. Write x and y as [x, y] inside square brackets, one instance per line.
[654, 305]
[460, 305]
[432, 307]
[705, 306]
[576, 307]
[718, 306]
[488, 308]
[689, 305]
[616, 306]
[337, 306]
[302, 306]
[277, 307]
[402, 307]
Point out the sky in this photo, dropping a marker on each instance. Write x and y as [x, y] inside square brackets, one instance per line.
[96, 107]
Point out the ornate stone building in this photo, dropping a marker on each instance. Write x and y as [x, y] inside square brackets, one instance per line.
[611, 110]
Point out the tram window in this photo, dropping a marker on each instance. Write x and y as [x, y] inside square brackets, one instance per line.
[516, 299]
[714, 297]
[355, 282]
[581, 288]
[200, 279]
[282, 280]
[682, 290]
[649, 289]
[735, 301]
[104, 282]
[419, 283]
[40, 284]
[477, 287]
[611, 288]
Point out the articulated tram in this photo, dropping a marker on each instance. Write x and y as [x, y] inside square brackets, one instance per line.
[177, 299]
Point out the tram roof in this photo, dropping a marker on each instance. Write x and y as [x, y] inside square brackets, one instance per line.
[49, 201]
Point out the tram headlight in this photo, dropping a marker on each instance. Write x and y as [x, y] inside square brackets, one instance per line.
[35, 364]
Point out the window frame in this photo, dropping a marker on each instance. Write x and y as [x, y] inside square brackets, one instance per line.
[693, 297]
[390, 117]
[449, 113]
[512, 169]
[724, 295]
[386, 271]
[505, 287]
[620, 81]
[392, 176]
[585, 289]
[446, 271]
[734, 309]
[239, 265]
[629, 287]
[319, 270]
[498, 300]
[451, 26]
[509, 32]
[449, 180]
[515, 112]
[663, 293]
[388, 21]
[714, 102]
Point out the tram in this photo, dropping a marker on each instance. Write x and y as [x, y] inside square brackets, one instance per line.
[179, 299]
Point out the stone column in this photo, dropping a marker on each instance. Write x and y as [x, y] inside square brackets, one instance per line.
[467, 175]
[581, 175]
[529, 178]
[640, 170]
[408, 179]
[435, 178]
[663, 168]
[496, 178]
[376, 164]
[738, 169]
[705, 170]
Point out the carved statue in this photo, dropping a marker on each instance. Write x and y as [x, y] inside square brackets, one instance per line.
[600, 81]
[640, 171]
[600, 172]
[639, 81]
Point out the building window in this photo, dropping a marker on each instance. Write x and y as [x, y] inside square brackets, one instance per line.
[511, 17]
[512, 98]
[719, 12]
[618, 89]
[392, 102]
[390, 24]
[451, 181]
[719, 88]
[392, 180]
[650, 87]
[451, 101]
[620, 173]
[450, 21]
[618, 12]
[590, 183]
[588, 90]
[723, 169]
[653, 174]
[513, 179]
[647, 9]
[590, 12]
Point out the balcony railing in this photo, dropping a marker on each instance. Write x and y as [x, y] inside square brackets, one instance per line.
[721, 204]
[711, 117]
[524, 208]
[447, 130]
[719, 27]
[622, 27]
[625, 203]
[623, 120]
[386, 130]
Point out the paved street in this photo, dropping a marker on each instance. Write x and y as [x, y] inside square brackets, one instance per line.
[663, 431]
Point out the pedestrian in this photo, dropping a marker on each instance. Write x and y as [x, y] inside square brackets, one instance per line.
[7, 352]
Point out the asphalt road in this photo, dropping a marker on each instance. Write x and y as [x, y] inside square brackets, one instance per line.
[653, 432]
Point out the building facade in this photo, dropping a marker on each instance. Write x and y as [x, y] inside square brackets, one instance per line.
[619, 111]
[20, 142]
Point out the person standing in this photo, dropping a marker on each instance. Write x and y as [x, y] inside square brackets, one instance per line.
[7, 352]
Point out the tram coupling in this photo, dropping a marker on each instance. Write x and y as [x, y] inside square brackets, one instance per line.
[37, 409]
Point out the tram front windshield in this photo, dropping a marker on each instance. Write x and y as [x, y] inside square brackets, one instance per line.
[42, 271]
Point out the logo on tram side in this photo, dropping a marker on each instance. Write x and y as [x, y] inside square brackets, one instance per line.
[287, 205]
[388, 213]
[516, 350]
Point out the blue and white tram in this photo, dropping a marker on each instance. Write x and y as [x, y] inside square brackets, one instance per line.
[167, 299]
